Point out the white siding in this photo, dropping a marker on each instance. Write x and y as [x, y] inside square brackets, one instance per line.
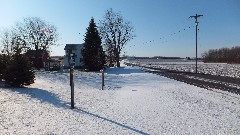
[78, 55]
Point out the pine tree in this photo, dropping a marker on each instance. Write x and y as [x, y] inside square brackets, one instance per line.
[4, 62]
[93, 55]
[19, 73]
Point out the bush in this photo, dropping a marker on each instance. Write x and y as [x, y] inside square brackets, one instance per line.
[19, 73]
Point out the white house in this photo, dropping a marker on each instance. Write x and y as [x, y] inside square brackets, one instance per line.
[76, 50]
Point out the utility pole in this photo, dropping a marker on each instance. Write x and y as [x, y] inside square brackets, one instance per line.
[196, 18]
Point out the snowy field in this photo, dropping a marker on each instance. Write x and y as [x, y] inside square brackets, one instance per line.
[133, 102]
[223, 69]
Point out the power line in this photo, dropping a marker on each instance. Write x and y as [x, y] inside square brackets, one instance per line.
[165, 38]
[161, 39]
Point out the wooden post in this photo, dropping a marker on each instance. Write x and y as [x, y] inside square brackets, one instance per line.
[102, 71]
[72, 87]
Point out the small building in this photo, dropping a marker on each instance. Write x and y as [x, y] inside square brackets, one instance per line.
[59, 58]
[54, 63]
[42, 56]
[76, 50]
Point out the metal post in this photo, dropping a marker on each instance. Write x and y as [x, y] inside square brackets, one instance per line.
[72, 87]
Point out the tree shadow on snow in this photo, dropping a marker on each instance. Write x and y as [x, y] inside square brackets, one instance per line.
[121, 70]
[42, 96]
[111, 121]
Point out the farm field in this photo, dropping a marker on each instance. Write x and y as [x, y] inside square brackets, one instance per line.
[221, 69]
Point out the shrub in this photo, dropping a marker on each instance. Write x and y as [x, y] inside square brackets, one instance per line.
[19, 73]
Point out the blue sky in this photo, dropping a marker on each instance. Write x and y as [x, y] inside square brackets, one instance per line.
[159, 24]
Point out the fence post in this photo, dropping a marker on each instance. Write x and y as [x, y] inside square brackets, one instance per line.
[72, 87]
[102, 71]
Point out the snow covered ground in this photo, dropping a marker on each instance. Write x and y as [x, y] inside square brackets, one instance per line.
[133, 102]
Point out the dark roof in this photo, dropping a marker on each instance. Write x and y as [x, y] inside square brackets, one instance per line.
[53, 60]
[71, 46]
[33, 52]
[59, 57]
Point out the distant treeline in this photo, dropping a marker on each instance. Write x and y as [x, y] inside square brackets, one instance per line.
[223, 55]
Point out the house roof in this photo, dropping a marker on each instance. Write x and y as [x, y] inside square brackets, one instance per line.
[33, 52]
[72, 46]
[53, 60]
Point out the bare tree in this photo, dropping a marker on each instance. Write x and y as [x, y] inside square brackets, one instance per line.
[228, 55]
[34, 32]
[115, 33]
[7, 46]
[37, 33]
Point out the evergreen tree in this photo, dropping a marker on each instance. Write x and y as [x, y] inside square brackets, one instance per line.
[4, 62]
[93, 55]
[19, 73]
[2, 67]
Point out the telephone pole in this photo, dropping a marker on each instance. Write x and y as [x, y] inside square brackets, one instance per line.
[196, 18]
